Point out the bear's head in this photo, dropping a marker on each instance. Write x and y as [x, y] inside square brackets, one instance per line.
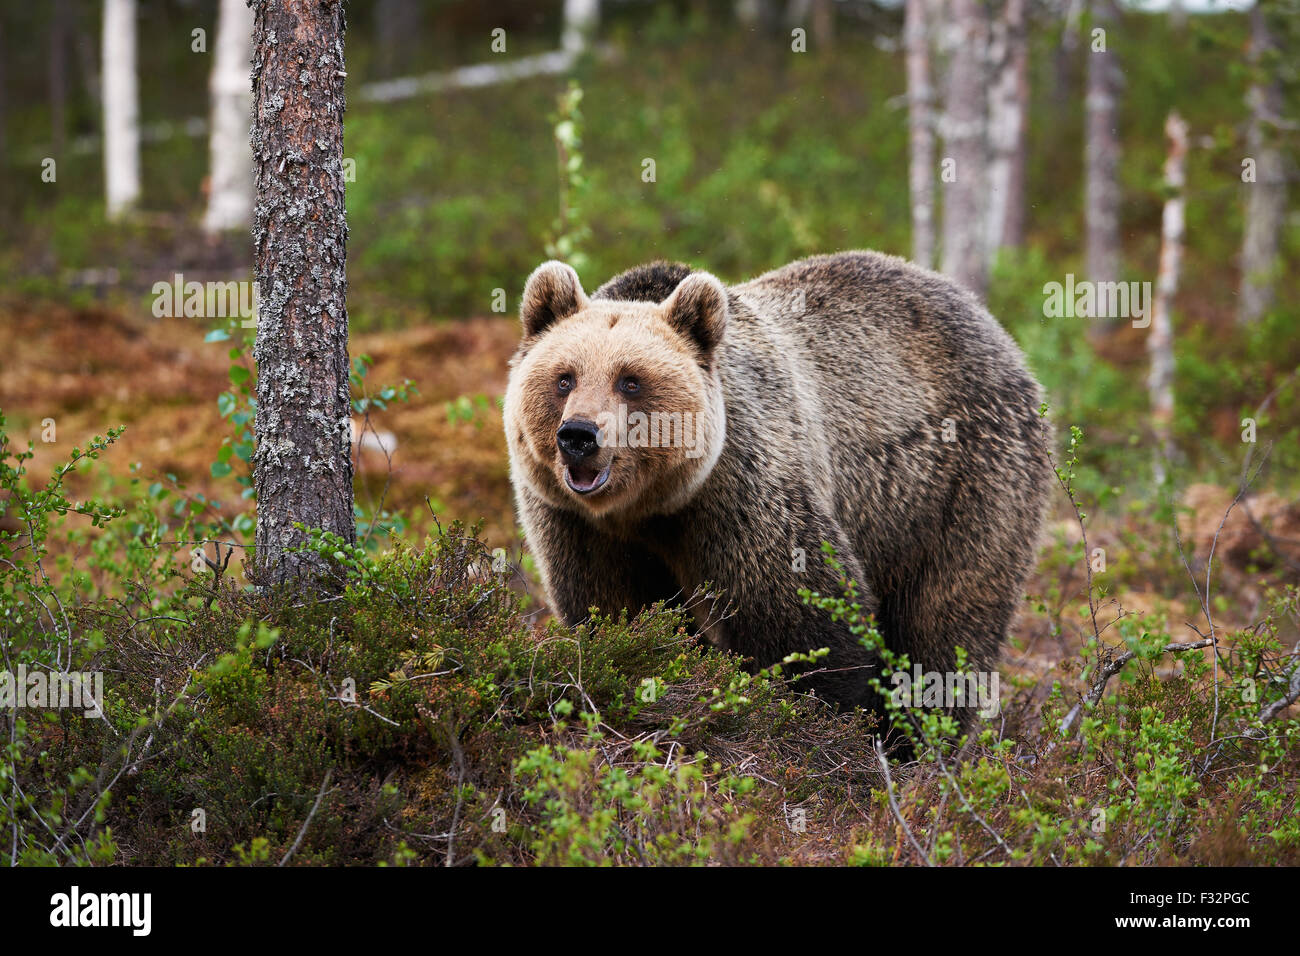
[615, 407]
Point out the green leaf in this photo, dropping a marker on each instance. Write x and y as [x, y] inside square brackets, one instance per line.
[238, 374]
[217, 335]
[220, 469]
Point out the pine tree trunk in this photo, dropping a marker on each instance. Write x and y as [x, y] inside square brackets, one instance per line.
[920, 124]
[823, 25]
[1101, 160]
[57, 75]
[121, 109]
[1266, 196]
[86, 65]
[4, 112]
[1160, 337]
[230, 179]
[1065, 64]
[302, 462]
[398, 28]
[965, 143]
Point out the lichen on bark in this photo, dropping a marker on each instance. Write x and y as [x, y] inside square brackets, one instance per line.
[302, 469]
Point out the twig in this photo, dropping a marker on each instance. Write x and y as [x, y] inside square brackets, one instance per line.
[1112, 668]
[302, 832]
[893, 805]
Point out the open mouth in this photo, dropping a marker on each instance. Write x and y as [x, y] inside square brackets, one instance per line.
[585, 480]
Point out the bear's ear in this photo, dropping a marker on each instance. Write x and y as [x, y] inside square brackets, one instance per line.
[698, 309]
[551, 293]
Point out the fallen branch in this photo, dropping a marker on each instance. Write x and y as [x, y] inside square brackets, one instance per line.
[1112, 668]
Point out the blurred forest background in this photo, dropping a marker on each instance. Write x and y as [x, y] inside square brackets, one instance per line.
[1111, 142]
[761, 155]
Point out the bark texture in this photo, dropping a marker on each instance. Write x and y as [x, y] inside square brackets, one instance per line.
[121, 109]
[1160, 338]
[1266, 196]
[1101, 160]
[1008, 108]
[230, 179]
[302, 465]
[966, 144]
[920, 126]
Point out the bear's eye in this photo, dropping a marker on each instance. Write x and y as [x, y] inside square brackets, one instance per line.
[628, 385]
[565, 385]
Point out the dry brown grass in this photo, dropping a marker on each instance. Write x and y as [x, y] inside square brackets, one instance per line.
[92, 368]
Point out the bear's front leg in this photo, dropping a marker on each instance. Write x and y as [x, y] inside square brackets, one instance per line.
[582, 567]
[765, 618]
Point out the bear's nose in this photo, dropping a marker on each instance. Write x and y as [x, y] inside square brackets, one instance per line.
[578, 440]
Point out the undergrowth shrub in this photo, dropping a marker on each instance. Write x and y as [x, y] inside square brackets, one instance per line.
[421, 716]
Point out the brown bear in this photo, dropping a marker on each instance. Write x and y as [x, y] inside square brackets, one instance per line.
[670, 431]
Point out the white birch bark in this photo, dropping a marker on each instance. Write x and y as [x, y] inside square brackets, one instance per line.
[230, 179]
[1266, 196]
[965, 145]
[580, 20]
[920, 123]
[1007, 108]
[1160, 338]
[1101, 159]
[121, 109]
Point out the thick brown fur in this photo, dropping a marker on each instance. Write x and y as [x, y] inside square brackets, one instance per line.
[826, 390]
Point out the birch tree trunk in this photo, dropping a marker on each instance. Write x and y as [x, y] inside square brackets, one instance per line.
[1101, 159]
[302, 466]
[1008, 105]
[757, 14]
[1266, 196]
[920, 126]
[398, 28]
[580, 20]
[965, 145]
[1160, 338]
[230, 178]
[58, 76]
[121, 109]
